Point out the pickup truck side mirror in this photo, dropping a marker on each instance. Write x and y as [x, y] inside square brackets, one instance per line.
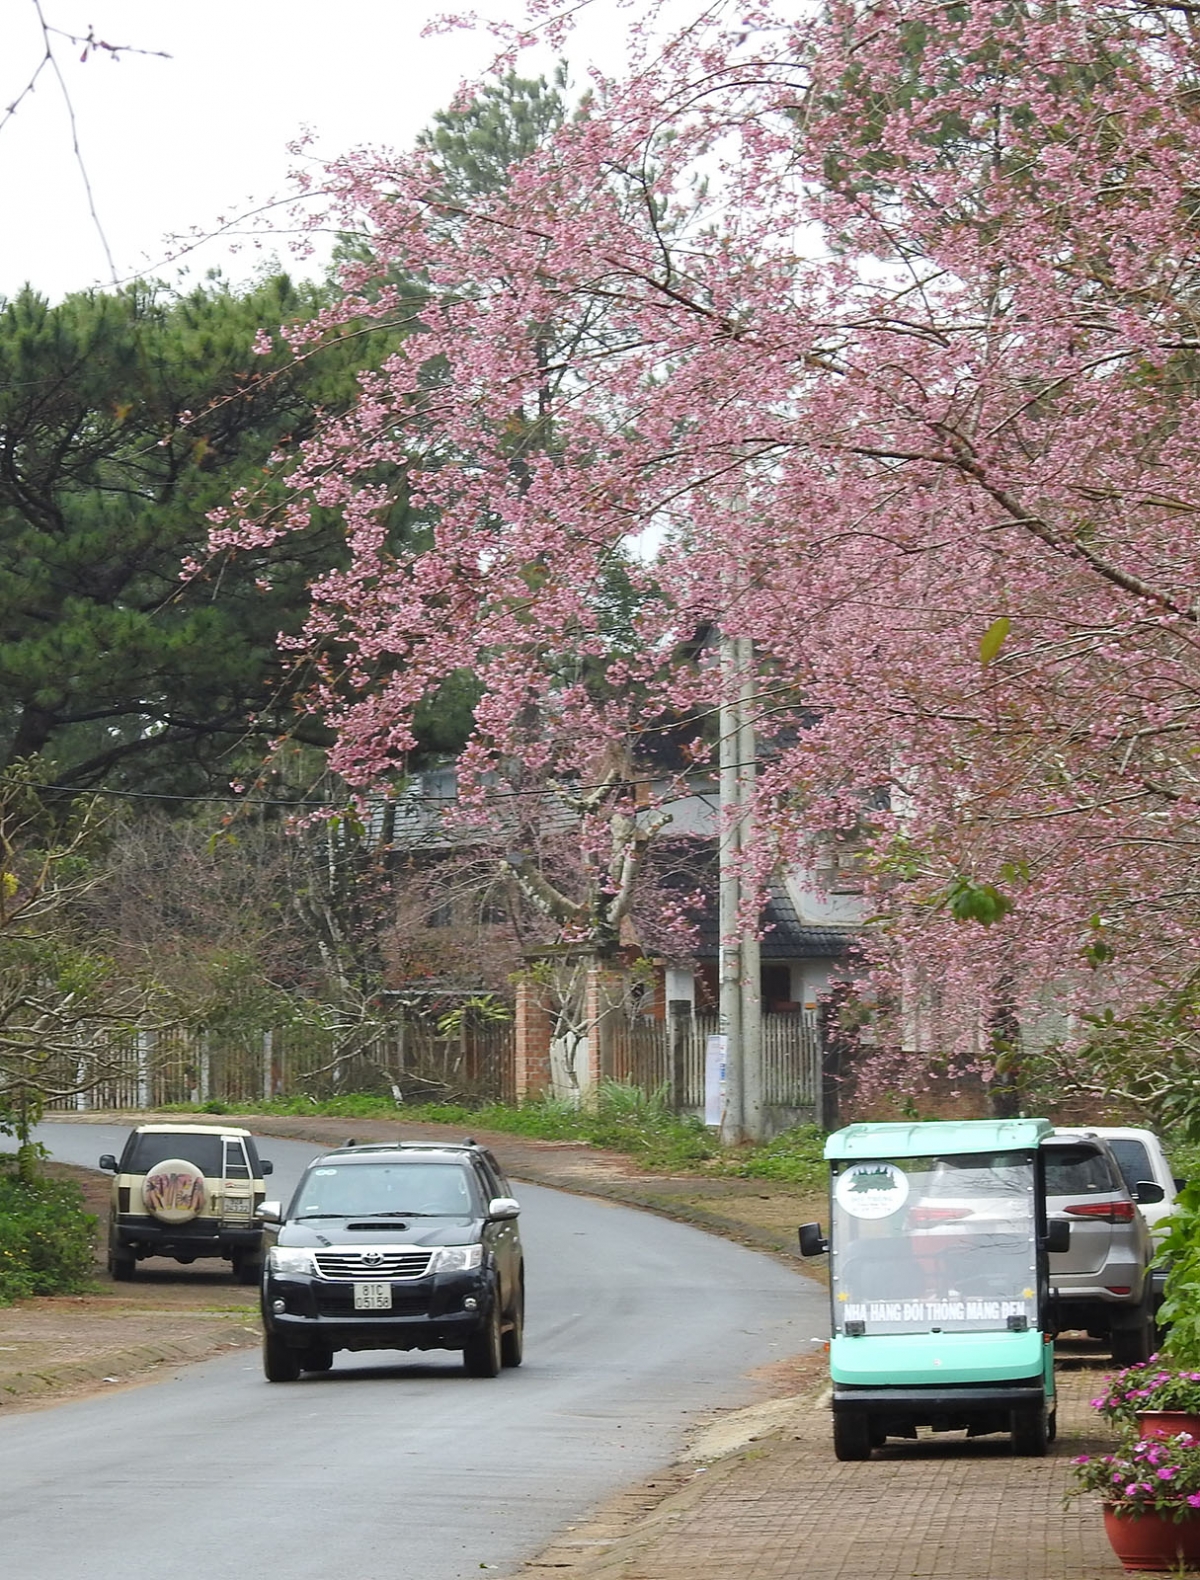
[109, 1162]
[1146, 1193]
[269, 1212]
[503, 1207]
[1058, 1235]
[1179, 1182]
[266, 1167]
[812, 1241]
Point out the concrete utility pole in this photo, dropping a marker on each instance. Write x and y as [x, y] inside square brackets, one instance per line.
[751, 977]
[729, 895]
[740, 977]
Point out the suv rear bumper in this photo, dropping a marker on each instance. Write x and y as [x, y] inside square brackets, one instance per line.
[1096, 1313]
[201, 1237]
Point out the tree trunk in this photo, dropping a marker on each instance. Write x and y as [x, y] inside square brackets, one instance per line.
[1006, 1097]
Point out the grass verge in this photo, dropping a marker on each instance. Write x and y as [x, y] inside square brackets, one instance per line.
[623, 1119]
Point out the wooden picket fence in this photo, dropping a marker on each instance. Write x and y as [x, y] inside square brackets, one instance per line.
[409, 1062]
[669, 1056]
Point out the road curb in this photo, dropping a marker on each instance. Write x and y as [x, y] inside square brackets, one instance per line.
[121, 1366]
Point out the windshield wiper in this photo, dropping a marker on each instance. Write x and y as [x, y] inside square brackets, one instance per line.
[399, 1215]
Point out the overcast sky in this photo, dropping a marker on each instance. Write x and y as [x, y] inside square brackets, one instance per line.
[170, 144]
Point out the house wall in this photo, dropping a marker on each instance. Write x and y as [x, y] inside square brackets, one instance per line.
[811, 981]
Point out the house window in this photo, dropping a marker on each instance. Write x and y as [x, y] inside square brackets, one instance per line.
[776, 981]
[840, 869]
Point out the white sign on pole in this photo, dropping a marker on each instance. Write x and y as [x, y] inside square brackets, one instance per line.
[715, 1052]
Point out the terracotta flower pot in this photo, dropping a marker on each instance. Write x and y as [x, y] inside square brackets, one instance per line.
[1152, 1541]
[1167, 1423]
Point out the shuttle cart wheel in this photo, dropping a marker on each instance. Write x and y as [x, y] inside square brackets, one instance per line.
[852, 1435]
[1030, 1432]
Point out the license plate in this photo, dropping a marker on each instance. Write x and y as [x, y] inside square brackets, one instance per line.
[372, 1297]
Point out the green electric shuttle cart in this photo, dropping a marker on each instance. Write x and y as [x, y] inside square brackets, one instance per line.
[939, 1283]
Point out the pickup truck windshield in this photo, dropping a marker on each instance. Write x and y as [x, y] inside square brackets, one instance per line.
[379, 1190]
[935, 1244]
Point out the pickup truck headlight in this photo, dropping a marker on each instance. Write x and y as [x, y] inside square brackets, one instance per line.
[456, 1258]
[283, 1259]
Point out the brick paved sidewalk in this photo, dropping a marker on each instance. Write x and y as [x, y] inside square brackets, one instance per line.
[785, 1509]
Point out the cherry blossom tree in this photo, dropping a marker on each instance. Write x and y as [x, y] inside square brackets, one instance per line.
[871, 336]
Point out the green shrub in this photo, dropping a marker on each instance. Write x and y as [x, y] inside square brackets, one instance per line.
[47, 1240]
[1185, 1158]
[1179, 1314]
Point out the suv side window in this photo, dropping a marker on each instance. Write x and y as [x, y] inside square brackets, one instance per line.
[1078, 1171]
[505, 1189]
[1132, 1160]
[236, 1166]
[489, 1184]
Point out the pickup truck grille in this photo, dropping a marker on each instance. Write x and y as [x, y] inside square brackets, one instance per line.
[382, 1264]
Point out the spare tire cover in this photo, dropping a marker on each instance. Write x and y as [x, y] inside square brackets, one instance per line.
[174, 1190]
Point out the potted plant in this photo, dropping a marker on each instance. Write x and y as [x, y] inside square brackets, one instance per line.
[1159, 1399]
[1150, 1490]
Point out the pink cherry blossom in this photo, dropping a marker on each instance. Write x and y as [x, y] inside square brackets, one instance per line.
[864, 333]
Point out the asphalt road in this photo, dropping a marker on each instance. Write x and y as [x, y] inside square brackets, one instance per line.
[401, 1464]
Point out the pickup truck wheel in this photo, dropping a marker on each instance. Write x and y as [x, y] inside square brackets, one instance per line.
[481, 1352]
[852, 1435]
[280, 1364]
[512, 1342]
[1030, 1432]
[248, 1269]
[318, 1359]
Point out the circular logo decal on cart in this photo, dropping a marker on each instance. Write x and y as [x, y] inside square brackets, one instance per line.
[871, 1190]
[173, 1191]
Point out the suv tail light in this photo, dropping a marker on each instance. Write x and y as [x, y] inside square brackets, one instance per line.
[1106, 1211]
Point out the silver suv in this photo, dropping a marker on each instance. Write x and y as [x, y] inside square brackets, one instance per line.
[1101, 1284]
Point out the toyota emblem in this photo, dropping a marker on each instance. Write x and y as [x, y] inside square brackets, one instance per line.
[372, 1258]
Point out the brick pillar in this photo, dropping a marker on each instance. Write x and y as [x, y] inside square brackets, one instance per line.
[532, 1040]
[603, 998]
